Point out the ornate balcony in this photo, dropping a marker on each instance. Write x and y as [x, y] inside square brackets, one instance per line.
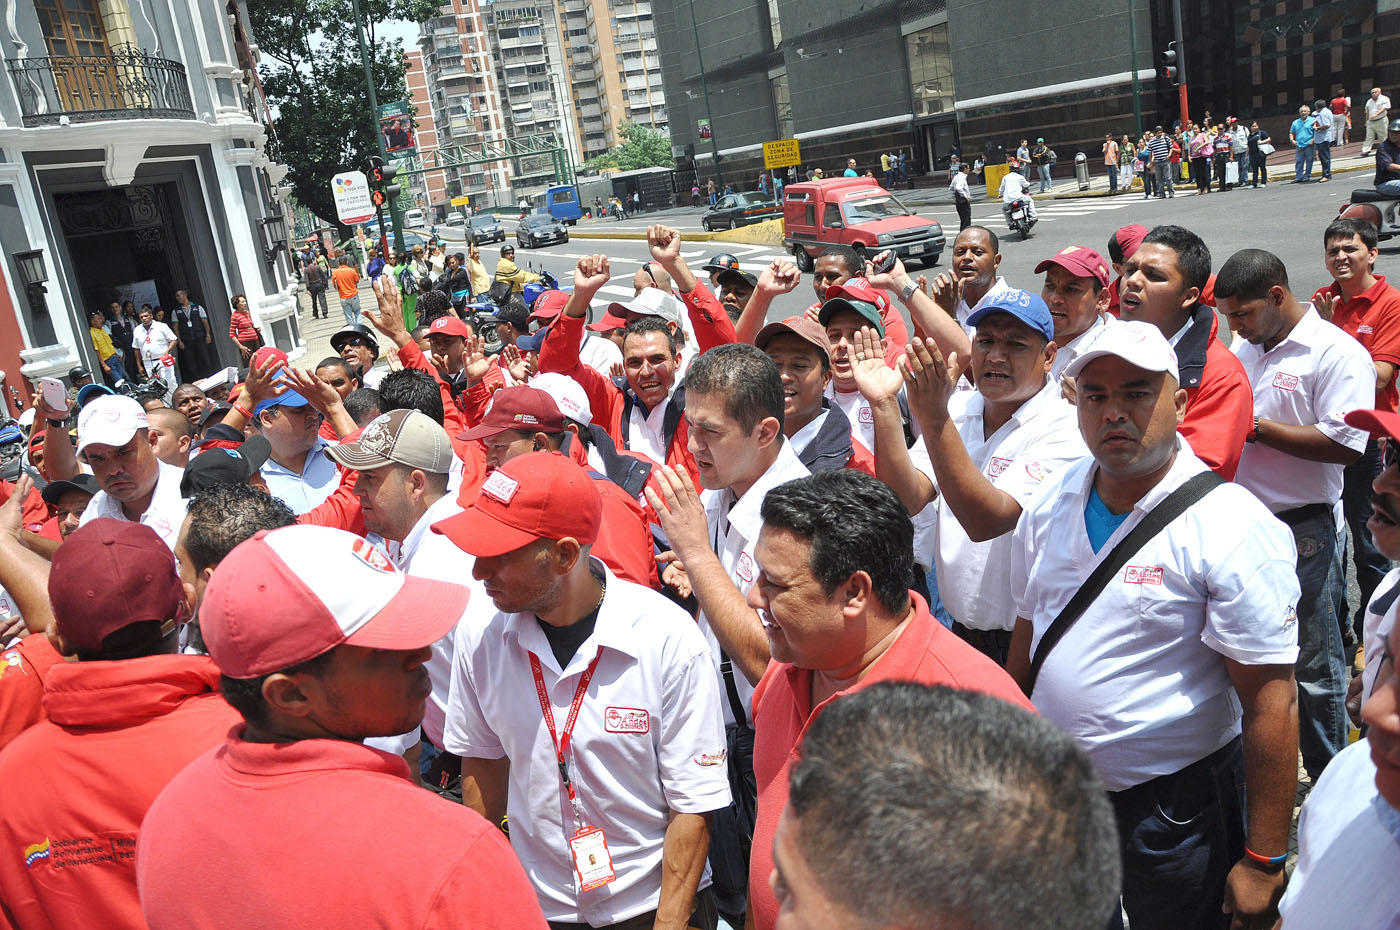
[127, 84]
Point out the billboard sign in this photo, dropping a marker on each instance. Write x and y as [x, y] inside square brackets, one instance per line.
[396, 126]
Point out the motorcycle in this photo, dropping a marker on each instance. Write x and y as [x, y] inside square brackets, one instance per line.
[1019, 218]
[1380, 210]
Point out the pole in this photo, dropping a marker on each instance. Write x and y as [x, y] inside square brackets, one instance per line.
[705, 90]
[374, 122]
[1133, 53]
[1180, 61]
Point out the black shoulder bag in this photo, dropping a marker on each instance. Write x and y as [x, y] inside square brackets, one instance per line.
[1168, 509]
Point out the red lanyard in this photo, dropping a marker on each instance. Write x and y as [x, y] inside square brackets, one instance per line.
[561, 743]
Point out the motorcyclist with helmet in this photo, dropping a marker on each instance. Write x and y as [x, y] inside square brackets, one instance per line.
[1015, 187]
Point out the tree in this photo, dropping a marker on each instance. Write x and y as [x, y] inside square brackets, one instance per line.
[641, 147]
[317, 89]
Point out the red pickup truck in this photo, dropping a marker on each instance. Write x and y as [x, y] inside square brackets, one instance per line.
[856, 212]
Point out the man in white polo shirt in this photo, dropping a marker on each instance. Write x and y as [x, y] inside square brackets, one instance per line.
[735, 412]
[136, 486]
[404, 460]
[1177, 676]
[983, 453]
[973, 278]
[588, 707]
[1307, 376]
[1076, 291]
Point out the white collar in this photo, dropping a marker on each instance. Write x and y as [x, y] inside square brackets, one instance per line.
[744, 513]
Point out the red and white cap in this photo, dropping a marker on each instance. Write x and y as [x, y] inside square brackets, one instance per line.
[110, 420]
[288, 595]
[568, 394]
[538, 495]
[1137, 343]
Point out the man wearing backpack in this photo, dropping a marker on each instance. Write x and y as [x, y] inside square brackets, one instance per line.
[1160, 631]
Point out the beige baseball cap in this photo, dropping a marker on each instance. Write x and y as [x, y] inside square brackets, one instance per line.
[401, 437]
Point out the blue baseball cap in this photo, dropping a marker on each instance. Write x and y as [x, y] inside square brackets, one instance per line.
[1023, 305]
[87, 392]
[289, 399]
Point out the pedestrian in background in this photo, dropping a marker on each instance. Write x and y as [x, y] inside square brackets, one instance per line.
[1377, 115]
[1200, 151]
[241, 329]
[1126, 155]
[316, 283]
[1110, 162]
[1040, 157]
[1259, 149]
[1341, 116]
[962, 197]
[1239, 149]
[1301, 135]
[1222, 143]
[1324, 132]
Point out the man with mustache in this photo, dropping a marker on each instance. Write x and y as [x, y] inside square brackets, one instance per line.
[136, 485]
[1307, 375]
[1177, 674]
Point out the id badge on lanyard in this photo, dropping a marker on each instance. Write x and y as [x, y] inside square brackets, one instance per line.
[588, 847]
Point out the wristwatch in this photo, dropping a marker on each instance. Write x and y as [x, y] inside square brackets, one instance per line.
[1254, 433]
[56, 424]
[908, 291]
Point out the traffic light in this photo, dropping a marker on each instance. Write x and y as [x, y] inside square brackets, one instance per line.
[387, 173]
[377, 197]
[1169, 69]
[374, 166]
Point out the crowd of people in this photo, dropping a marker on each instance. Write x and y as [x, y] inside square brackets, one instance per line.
[950, 603]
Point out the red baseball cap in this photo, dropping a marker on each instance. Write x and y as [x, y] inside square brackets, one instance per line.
[608, 323]
[449, 326]
[1130, 237]
[289, 595]
[860, 289]
[261, 356]
[538, 495]
[1376, 422]
[1080, 261]
[549, 305]
[109, 574]
[521, 407]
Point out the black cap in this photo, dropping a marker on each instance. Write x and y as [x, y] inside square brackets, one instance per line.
[224, 466]
[78, 373]
[80, 482]
[721, 262]
[213, 412]
[729, 274]
[220, 432]
[339, 339]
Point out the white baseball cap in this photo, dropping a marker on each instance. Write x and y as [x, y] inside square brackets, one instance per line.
[110, 420]
[1137, 343]
[652, 301]
[568, 395]
[288, 595]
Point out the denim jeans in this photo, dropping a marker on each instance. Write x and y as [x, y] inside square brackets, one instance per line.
[1112, 178]
[1180, 835]
[1324, 157]
[1165, 185]
[1321, 669]
[1260, 169]
[1044, 176]
[1302, 163]
[1389, 188]
[118, 374]
[1371, 566]
[350, 306]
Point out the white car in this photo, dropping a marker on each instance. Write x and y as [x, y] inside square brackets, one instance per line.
[414, 218]
[455, 219]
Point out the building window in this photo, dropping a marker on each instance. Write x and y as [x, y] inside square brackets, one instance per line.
[930, 70]
[782, 106]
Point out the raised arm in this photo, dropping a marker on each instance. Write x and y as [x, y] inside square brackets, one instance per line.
[880, 384]
[947, 334]
[781, 277]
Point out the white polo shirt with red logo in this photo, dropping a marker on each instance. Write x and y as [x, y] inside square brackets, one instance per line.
[1314, 377]
[1140, 681]
[648, 740]
[165, 514]
[1039, 440]
[734, 528]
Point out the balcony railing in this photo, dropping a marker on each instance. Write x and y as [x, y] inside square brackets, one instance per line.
[127, 84]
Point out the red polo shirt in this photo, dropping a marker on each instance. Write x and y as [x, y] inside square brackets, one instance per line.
[925, 652]
[321, 833]
[1372, 318]
[117, 733]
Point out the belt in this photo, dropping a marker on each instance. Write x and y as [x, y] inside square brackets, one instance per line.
[1306, 512]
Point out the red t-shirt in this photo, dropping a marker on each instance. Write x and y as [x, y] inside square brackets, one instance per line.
[117, 733]
[321, 833]
[23, 668]
[1219, 411]
[1372, 318]
[924, 652]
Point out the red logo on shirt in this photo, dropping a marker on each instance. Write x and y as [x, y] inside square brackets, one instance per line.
[1142, 574]
[866, 415]
[626, 720]
[1285, 381]
[365, 552]
[996, 466]
[744, 568]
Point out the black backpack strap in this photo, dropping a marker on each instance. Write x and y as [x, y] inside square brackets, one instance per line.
[736, 706]
[1167, 510]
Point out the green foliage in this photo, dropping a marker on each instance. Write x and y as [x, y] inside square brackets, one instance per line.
[316, 85]
[641, 147]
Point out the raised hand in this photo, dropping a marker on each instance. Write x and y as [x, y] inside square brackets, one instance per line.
[591, 273]
[677, 505]
[781, 277]
[947, 291]
[388, 318]
[263, 381]
[892, 280]
[474, 360]
[517, 364]
[929, 381]
[875, 380]
[1327, 306]
[308, 384]
[664, 243]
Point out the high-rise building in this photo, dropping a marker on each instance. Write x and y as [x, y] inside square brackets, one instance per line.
[429, 188]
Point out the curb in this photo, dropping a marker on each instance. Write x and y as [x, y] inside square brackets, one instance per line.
[1282, 176]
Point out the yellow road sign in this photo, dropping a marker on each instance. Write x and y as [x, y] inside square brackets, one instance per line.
[781, 154]
[460, 201]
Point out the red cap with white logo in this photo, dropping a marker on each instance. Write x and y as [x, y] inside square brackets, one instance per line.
[288, 595]
[449, 326]
[538, 495]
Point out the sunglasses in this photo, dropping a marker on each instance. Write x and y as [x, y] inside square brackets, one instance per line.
[356, 341]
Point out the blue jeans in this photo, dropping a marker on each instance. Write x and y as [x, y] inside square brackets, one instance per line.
[1112, 178]
[1321, 669]
[350, 306]
[1371, 566]
[1044, 171]
[1324, 157]
[1165, 185]
[1389, 188]
[1180, 835]
[1302, 163]
[118, 374]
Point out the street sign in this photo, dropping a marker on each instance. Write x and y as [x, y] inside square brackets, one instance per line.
[352, 202]
[461, 201]
[781, 154]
